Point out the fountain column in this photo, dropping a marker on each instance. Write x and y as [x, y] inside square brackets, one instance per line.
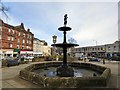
[64, 50]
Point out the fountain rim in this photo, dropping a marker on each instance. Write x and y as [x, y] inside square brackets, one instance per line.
[64, 28]
[65, 44]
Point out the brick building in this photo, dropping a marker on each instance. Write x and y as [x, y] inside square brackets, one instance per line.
[15, 40]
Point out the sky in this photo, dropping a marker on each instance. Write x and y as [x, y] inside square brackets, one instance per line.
[91, 22]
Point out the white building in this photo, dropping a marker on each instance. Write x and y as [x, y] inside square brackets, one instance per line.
[40, 48]
[99, 50]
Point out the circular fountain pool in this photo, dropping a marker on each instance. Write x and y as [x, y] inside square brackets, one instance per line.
[83, 75]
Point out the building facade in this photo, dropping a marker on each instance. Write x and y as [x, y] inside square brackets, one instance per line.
[15, 40]
[40, 48]
[106, 50]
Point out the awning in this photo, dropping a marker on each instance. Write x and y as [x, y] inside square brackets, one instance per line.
[26, 52]
[38, 53]
[16, 50]
[9, 52]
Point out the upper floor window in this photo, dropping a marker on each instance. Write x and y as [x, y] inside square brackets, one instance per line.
[19, 34]
[18, 46]
[27, 42]
[13, 31]
[9, 30]
[30, 36]
[18, 40]
[22, 47]
[114, 47]
[24, 34]
[98, 48]
[23, 41]
[27, 36]
[109, 48]
[10, 45]
[27, 47]
[12, 38]
[8, 38]
[0, 37]
[0, 28]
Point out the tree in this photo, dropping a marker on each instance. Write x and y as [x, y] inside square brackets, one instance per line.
[72, 40]
[3, 9]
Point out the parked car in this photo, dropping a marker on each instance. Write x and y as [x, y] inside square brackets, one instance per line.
[30, 58]
[48, 59]
[12, 61]
[94, 59]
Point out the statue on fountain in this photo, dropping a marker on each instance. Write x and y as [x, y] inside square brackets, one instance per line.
[65, 19]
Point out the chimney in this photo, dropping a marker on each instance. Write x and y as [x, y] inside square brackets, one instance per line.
[28, 30]
[22, 24]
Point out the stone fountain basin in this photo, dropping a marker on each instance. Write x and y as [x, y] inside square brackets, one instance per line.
[56, 82]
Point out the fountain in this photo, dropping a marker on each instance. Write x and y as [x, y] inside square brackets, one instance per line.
[64, 70]
[57, 74]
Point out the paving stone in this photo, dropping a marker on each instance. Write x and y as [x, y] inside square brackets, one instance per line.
[15, 84]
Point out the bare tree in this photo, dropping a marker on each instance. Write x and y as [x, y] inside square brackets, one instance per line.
[3, 9]
[72, 40]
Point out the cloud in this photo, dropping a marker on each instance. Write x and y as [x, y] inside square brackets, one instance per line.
[89, 20]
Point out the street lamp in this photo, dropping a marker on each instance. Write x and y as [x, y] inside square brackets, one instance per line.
[54, 39]
[95, 42]
[96, 48]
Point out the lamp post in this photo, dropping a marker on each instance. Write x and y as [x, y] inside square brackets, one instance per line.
[54, 41]
[104, 55]
[96, 47]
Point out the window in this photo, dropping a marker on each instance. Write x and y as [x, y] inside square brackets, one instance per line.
[9, 30]
[109, 48]
[98, 48]
[0, 28]
[8, 38]
[24, 34]
[0, 37]
[27, 41]
[18, 46]
[114, 47]
[19, 34]
[27, 47]
[10, 45]
[28, 36]
[18, 40]
[12, 38]
[22, 47]
[13, 31]
[23, 41]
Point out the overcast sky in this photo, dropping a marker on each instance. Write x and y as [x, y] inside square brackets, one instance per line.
[90, 21]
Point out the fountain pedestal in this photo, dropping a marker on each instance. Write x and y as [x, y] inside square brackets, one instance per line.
[65, 71]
